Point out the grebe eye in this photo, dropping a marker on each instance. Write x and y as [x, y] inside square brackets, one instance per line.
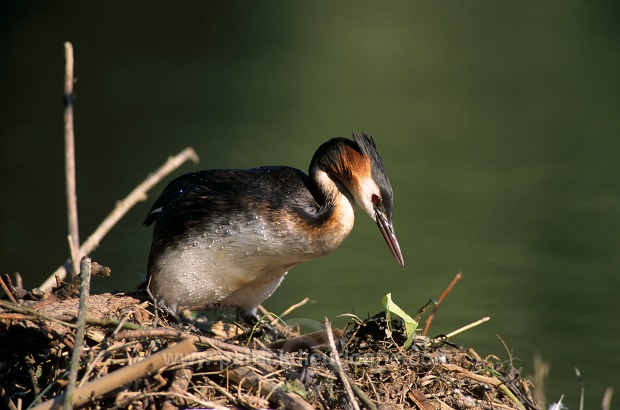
[375, 199]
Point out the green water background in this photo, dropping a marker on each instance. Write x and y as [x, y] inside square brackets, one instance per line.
[498, 123]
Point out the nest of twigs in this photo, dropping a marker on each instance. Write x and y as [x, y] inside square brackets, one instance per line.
[127, 362]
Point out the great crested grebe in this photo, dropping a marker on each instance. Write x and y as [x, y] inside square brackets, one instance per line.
[227, 237]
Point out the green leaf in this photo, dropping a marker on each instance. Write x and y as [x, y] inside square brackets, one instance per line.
[410, 324]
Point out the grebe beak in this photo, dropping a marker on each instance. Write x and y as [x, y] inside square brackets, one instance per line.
[388, 234]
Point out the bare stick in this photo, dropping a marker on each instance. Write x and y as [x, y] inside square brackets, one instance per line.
[276, 321]
[74, 252]
[441, 298]
[122, 207]
[79, 334]
[70, 155]
[469, 326]
[293, 307]
[149, 366]
[336, 358]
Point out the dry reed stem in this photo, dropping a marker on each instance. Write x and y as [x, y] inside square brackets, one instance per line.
[70, 158]
[441, 298]
[79, 334]
[469, 326]
[292, 308]
[340, 371]
[73, 255]
[122, 207]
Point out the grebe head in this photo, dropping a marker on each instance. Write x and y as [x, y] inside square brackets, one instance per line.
[358, 166]
[373, 192]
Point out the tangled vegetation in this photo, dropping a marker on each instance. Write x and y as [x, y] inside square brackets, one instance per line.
[133, 358]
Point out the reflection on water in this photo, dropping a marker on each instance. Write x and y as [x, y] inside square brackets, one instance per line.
[498, 125]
